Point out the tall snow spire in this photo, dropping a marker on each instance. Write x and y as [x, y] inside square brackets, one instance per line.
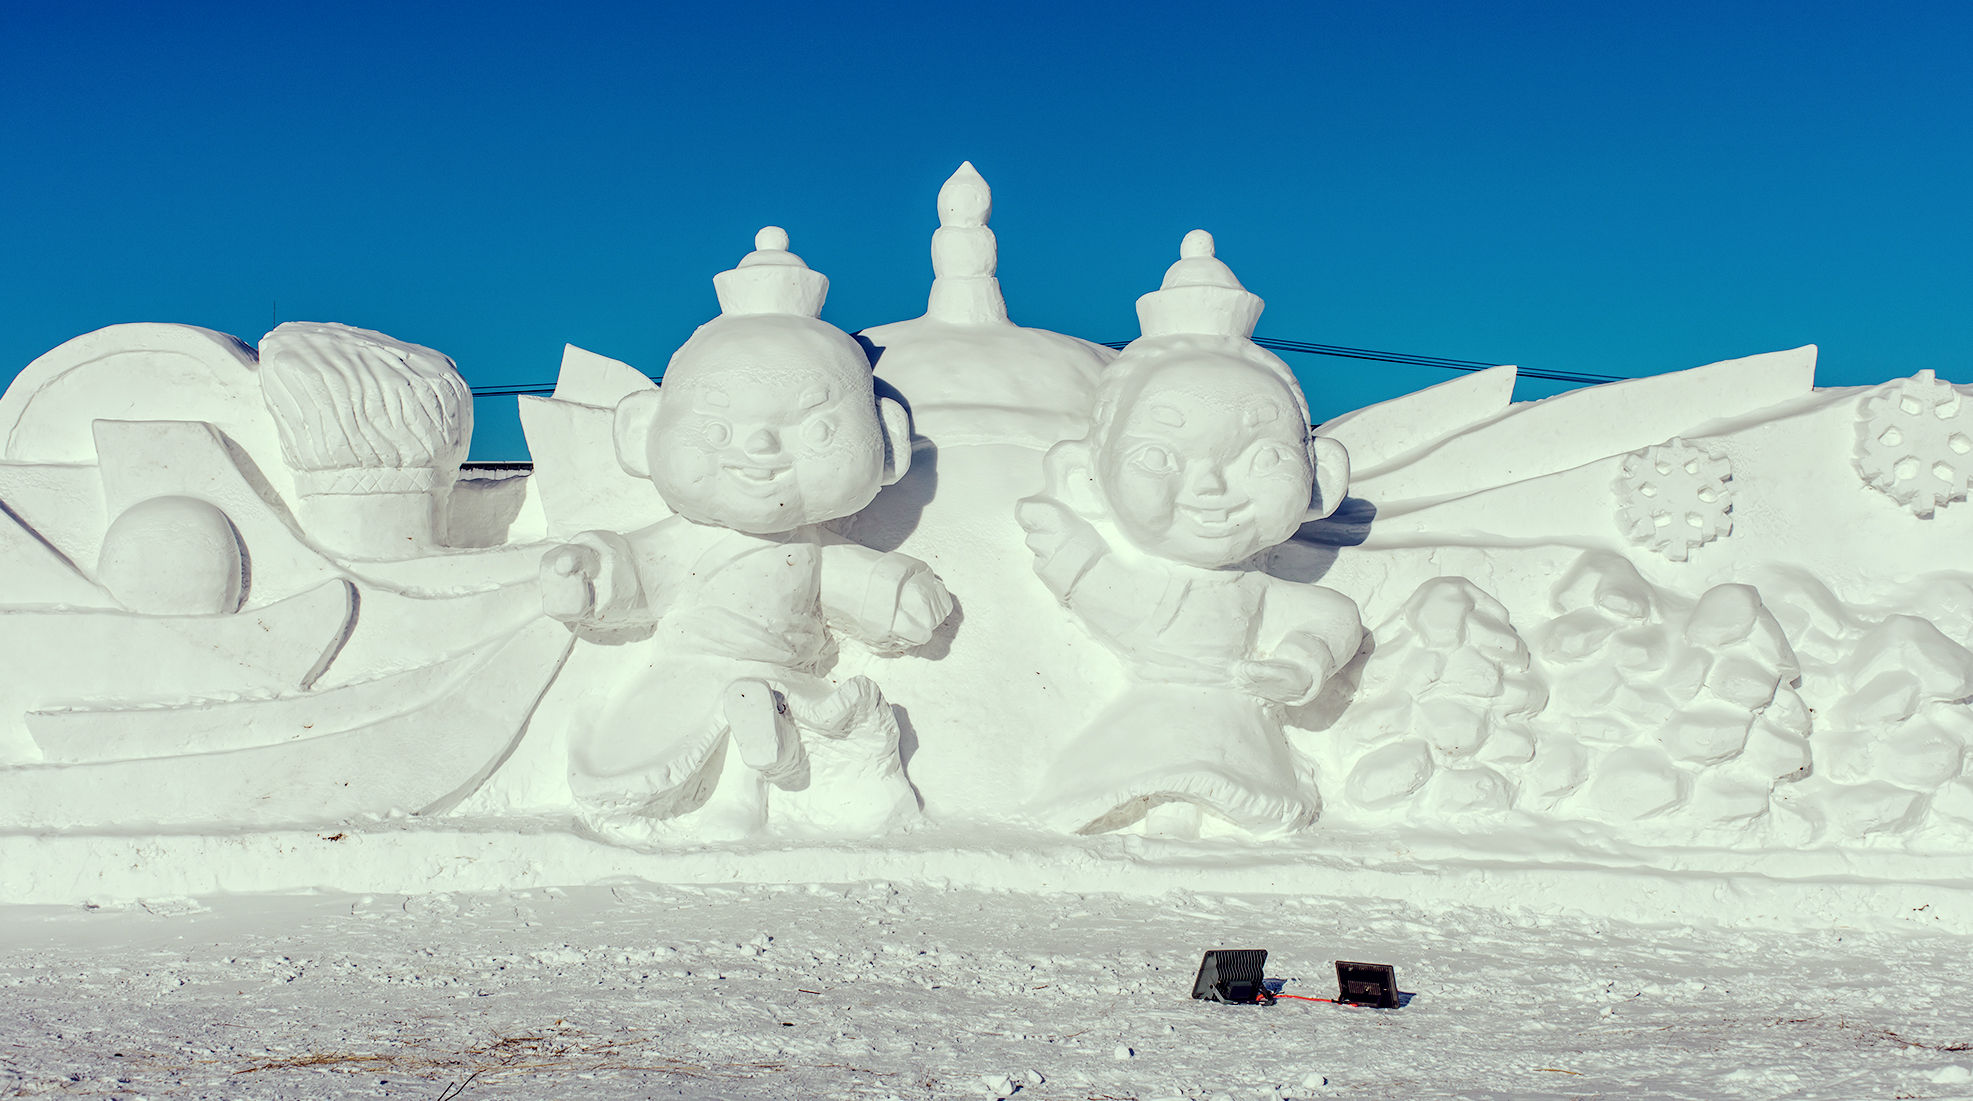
[965, 255]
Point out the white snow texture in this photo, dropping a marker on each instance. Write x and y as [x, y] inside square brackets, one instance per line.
[958, 602]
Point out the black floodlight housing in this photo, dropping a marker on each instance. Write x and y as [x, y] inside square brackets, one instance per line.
[1232, 976]
[1371, 984]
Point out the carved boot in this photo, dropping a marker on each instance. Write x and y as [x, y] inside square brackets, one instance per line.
[762, 732]
[856, 784]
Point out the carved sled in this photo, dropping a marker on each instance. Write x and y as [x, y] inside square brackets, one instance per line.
[286, 760]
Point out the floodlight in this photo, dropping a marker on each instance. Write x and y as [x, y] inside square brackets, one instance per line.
[1371, 984]
[1231, 975]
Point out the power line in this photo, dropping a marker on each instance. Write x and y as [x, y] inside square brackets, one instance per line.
[1405, 359]
[1410, 360]
[505, 391]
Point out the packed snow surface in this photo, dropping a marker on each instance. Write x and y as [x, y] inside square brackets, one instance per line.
[876, 990]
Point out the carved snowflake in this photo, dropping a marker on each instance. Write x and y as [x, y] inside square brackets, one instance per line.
[1674, 497]
[1913, 442]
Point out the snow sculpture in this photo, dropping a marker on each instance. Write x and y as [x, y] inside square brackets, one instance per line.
[965, 254]
[766, 427]
[1913, 443]
[1889, 691]
[174, 556]
[1198, 458]
[576, 479]
[1674, 497]
[988, 397]
[189, 643]
[1681, 709]
[374, 428]
[1899, 737]
[1630, 707]
[970, 375]
[1459, 708]
[254, 591]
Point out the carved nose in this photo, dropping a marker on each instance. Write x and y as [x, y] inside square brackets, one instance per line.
[764, 441]
[1205, 479]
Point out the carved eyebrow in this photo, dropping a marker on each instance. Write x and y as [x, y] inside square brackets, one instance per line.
[814, 396]
[713, 397]
[1168, 415]
[1265, 412]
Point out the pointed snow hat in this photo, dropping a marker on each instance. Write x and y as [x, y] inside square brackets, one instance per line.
[1199, 296]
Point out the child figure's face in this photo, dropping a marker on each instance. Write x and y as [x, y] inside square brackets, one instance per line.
[765, 436]
[1207, 463]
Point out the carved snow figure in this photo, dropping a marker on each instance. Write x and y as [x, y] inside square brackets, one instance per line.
[1199, 457]
[766, 427]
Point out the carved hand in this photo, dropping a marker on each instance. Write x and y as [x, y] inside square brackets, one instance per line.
[1064, 544]
[922, 605]
[1050, 524]
[568, 581]
[1274, 679]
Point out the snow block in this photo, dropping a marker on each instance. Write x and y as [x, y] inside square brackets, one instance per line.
[1581, 426]
[1385, 434]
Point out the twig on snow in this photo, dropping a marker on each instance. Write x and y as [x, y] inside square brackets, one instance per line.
[452, 1093]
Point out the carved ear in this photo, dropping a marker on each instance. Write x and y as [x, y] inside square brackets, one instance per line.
[632, 429]
[1069, 476]
[1332, 475]
[896, 425]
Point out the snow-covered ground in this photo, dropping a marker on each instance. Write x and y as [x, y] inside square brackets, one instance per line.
[877, 990]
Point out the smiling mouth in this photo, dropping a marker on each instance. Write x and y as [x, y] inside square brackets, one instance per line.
[1216, 521]
[756, 476]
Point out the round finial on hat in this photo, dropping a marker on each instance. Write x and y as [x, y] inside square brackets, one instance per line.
[775, 239]
[1197, 245]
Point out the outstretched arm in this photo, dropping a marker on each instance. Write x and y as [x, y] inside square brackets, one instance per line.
[889, 600]
[592, 581]
[1307, 633]
[1076, 563]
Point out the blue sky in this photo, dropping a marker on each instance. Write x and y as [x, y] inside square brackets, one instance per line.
[1618, 189]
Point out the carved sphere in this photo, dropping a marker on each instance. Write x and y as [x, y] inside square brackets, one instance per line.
[174, 556]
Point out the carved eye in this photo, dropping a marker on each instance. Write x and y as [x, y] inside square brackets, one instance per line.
[1154, 460]
[818, 432]
[718, 433]
[1269, 459]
